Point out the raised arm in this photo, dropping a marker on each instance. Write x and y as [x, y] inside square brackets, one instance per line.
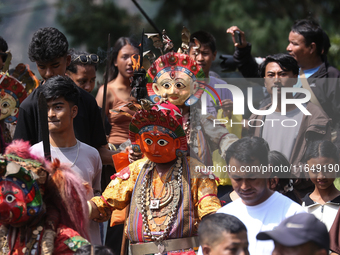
[242, 56]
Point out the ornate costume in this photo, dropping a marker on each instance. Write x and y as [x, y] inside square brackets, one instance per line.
[177, 78]
[24, 74]
[162, 207]
[42, 205]
[12, 93]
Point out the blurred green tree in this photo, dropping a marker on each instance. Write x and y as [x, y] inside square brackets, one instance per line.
[88, 23]
[266, 22]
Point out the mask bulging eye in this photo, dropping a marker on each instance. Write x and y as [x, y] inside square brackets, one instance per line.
[162, 142]
[180, 85]
[166, 85]
[10, 198]
[5, 104]
[148, 141]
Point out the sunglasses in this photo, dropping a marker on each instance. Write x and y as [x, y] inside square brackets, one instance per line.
[85, 58]
[3, 55]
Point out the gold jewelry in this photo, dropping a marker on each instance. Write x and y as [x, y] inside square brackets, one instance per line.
[155, 200]
[32, 245]
[144, 208]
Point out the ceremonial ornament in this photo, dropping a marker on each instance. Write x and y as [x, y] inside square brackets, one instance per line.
[185, 41]
[173, 73]
[168, 44]
[24, 74]
[148, 209]
[158, 133]
[12, 93]
[20, 197]
[156, 39]
[163, 119]
[27, 185]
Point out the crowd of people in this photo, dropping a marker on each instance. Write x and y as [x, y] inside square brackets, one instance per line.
[149, 168]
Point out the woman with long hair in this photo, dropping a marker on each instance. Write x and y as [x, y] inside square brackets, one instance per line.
[119, 89]
[322, 164]
[118, 94]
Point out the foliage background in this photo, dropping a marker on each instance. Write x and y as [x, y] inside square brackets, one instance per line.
[88, 22]
[265, 22]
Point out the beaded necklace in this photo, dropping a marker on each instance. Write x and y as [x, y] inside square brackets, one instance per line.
[146, 207]
[157, 202]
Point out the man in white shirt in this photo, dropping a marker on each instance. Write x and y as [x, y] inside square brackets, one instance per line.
[62, 98]
[258, 207]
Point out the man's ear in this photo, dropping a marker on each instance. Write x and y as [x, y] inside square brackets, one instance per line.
[206, 250]
[273, 182]
[74, 111]
[68, 60]
[312, 47]
[214, 54]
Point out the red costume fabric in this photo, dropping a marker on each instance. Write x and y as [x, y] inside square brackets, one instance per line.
[66, 242]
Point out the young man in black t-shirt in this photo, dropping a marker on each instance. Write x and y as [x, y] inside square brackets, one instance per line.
[48, 49]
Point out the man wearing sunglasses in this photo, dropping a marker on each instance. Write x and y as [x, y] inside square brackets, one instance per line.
[3, 54]
[82, 69]
[49, 50]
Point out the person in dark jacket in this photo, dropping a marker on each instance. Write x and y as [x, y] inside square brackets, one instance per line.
[48, 49]
[309, 45]
[280, 71]
[3, 54]
[290, 132]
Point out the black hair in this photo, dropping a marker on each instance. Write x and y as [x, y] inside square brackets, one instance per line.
[47, 44]
[326, 46]
[3, 48]
[75, 61]
[98, 250]
[321, 148]
[3, 44]
[276, 158]
[120, 43]
[284, 60]
[61, 86]
[248, 149]
[326, 43]
[284, 185]
[204, 38]
[212, 227]
[311, 31]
